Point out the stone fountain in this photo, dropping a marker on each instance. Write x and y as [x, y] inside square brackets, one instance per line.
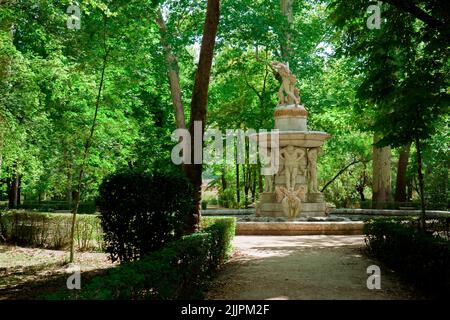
[292, 191]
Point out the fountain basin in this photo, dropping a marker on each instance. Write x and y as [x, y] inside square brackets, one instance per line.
[300, 228]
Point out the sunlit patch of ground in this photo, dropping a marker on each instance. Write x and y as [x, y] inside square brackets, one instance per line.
[303, 267]
[28, 273]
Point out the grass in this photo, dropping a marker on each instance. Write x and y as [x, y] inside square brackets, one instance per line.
[30, 273]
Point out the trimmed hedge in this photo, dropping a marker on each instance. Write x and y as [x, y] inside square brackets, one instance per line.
[180, 270]
[141, 212]
[422, 258]
[51, 205]
[222, 230]
[50, 230]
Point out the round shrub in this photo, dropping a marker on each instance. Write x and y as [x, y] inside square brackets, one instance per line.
[140, 212]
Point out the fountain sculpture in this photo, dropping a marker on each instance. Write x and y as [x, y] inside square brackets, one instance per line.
[292, 192]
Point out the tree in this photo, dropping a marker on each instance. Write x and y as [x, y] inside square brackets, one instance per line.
[381, 188]
[401, 181]
[172, 71]
[405, 69]
[199, 99]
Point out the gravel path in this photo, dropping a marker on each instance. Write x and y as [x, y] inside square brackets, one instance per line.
[303, 267]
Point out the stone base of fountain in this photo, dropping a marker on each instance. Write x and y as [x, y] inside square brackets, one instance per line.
[298, 152]
[297, 228]
[269, 206]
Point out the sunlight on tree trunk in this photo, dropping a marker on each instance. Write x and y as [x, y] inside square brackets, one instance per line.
[286, 46]
[172, 72]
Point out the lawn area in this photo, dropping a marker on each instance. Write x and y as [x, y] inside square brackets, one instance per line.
[28, 273]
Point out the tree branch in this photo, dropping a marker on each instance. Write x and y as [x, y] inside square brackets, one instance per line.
[417, 12]
[339, 173]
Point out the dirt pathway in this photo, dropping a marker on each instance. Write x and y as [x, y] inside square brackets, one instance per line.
[303, 267]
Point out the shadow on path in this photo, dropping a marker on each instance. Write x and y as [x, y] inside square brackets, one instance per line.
[303, 267]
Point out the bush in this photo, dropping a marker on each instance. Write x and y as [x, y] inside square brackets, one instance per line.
[141, 212]
[51, 206]
[422, 258]
[49, 230]
[227, 198]
[204, 204]
[179, 270]
[389, 205]
[222, 230]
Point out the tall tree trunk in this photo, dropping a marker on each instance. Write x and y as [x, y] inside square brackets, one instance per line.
[400, 189]
[245, 176]
[69, 189]
[362, 184]
[223, 179]
[13, 194]
[248, 183]
[199, 101]
[87, 146]
[247, 171]
[421, 182]
[19, 190]
[253, 188]
[238, 189]
[286, 46]
[172, 72]
[13, 188]
[381, 188]
[260, 179]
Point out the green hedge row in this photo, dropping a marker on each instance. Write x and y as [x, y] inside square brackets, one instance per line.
[180, 270]
[49, 230]
[422, 258]
[51, 206]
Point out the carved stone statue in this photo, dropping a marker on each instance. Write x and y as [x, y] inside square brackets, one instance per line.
[303, 164]
[293, 81]
[290, 200]
[287, 87]
[291, 157]
[267, 162]
[269, 183]
[312, 169]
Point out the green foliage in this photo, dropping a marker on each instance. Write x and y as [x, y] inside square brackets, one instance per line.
[422, 258]
[52, 205]
[48, 82]
[353, 81]
[140, 212]
[50, 230]
[179, 270]
[222, 230]
[227, 198]
[404, 66]
[436, 169]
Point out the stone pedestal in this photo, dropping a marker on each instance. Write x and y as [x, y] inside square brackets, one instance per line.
[274, 209]
[316, 197]
[295, 142]
[291, 117]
